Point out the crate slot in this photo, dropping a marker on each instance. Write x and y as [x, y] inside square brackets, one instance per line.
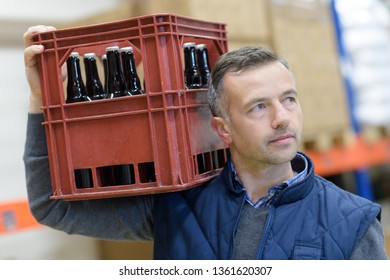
[83, 178]
[210, 161]
[147, 172]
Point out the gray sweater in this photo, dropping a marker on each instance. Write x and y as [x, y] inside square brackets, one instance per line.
[130, 218]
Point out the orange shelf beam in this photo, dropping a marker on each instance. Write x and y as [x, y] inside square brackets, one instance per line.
[357, 156]
[15, 216]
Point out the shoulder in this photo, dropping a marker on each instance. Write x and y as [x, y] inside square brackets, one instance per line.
[336, 197]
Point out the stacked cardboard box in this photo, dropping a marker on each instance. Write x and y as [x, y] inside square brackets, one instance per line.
[246, 18]
[304, 35]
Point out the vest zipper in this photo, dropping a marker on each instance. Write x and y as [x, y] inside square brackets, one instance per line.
[235, 227]
[265, 233]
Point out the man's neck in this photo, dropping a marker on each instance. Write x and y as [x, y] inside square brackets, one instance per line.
[257, 181]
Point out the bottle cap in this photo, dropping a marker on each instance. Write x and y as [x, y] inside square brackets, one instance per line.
[113, 48]
[90, 55]
[126, 49]
[189, 45]
[75, 54]
[201, 46]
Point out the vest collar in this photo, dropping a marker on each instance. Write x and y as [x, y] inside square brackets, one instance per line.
[294, 192]
[298, 190]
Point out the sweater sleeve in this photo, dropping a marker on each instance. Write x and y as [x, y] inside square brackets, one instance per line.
[371, 247]
[124, 218]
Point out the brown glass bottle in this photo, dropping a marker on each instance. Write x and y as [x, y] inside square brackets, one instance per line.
[93, 84]
[204, 66]
[105, 69]
[191, 69]
[123, 174]
[76, 92]
[83, 178]
[75, 89]
[132, 80]
[116, 86]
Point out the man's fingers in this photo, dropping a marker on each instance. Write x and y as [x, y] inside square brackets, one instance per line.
[29, 55]
[32, 31]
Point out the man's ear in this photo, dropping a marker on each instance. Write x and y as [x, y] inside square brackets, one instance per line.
[222, 129]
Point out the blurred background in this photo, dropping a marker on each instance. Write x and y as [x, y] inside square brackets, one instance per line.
[339, 52]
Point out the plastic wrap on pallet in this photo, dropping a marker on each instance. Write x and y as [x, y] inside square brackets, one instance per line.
[366, 29]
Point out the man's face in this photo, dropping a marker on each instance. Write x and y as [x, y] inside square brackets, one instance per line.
[265, 118]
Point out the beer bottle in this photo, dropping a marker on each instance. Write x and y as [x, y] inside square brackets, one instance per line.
[132, 80]
[93, 85]
[76, 93]
[123, 174]
[116, 86]
[83, 178]
[105, 69]
[191, 69]
[75, 89]
[204, 66]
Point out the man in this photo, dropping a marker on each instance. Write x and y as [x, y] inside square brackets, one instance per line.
[267, 203]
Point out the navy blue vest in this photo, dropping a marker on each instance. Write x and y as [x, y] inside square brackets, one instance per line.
[311, 219]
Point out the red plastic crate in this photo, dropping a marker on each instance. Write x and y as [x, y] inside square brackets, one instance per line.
[167, 129]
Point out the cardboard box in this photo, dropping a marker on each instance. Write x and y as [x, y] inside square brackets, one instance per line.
[245, 19]
[304, 35]
[236, 44]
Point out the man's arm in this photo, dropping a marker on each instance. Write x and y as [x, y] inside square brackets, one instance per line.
[127, 218]
[371, 247]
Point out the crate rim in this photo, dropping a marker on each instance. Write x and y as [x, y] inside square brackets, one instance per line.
[151, 15]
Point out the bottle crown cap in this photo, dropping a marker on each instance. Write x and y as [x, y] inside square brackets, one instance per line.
[201, 46]
[189, 45]
[126, 49]
[90, 55]
[75, 54]
[113, 48]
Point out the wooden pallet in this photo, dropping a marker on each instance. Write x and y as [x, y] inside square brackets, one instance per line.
[325, 140]
[372, 134]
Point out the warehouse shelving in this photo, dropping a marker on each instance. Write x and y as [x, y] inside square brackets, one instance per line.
[359, 155]
[15, 216]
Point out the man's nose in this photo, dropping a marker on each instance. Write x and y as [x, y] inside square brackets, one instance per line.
[281, 118]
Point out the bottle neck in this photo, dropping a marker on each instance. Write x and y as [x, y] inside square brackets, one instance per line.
[91, 69]
[190, 58]
[74, 72]
[113, 64]
[191, 69]
[129, 63]
[94, 87]
[203, 66]
[132, 80]
[203, 59]
[116, 86]
[75, 89]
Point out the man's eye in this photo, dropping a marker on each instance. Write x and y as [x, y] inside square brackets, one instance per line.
[290, 99]
[259, 106]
